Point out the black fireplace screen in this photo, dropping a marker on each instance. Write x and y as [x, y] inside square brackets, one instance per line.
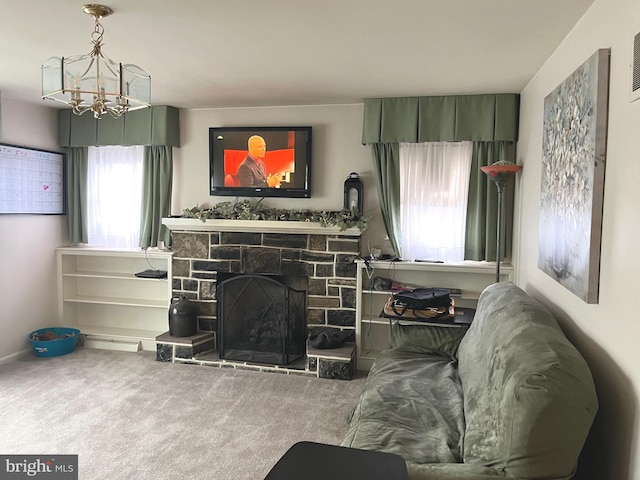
[261, 320]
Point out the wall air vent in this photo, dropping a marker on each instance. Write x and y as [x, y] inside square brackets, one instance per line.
[635, 67]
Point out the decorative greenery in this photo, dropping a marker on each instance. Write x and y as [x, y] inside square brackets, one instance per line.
[252, 210]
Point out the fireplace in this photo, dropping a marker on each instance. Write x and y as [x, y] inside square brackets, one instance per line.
[302, 255]
[261, 319]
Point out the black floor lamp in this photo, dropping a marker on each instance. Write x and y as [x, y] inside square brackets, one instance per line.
[500, 172]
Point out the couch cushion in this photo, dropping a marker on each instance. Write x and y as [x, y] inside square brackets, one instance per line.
[411, 406]
[441, 340]
[529, 397]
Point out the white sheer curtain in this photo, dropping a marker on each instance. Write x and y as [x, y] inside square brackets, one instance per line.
[114, 187]
[434, 189]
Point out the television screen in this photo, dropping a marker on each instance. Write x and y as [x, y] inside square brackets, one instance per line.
[260, 161]
[31, 181]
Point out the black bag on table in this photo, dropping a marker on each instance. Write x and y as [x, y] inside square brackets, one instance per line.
[422, 299]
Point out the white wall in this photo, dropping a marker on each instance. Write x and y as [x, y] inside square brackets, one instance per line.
[337, 151]
[27, 242]
[606, 333]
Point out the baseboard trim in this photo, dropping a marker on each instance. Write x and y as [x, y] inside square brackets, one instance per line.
[15, 356]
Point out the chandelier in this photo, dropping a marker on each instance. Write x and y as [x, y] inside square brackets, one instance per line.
[93, 81]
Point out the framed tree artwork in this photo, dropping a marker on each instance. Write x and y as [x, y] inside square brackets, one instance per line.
[572, 185]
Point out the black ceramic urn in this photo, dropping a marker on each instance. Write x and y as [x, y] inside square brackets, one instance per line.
[183, 317]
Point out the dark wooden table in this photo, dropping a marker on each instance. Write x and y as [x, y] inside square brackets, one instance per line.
[318, 461]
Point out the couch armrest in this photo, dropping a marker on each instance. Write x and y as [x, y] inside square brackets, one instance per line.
[457, 471]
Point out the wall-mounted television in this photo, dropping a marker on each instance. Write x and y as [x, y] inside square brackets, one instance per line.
[260, 161]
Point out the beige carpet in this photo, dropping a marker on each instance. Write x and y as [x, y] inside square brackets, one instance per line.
[130, 417]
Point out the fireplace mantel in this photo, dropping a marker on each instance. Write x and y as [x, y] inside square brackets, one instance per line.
[258, 226]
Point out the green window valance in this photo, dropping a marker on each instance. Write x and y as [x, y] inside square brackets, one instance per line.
[453, 118]
[157, 125]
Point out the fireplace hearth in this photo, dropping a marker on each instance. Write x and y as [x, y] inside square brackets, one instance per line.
[261, 320]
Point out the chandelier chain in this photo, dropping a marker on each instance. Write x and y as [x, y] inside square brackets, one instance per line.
[96, 35]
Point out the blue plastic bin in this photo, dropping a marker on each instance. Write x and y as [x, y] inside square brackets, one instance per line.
[65, 341]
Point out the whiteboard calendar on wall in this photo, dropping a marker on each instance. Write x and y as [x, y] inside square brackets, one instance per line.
[31, 181]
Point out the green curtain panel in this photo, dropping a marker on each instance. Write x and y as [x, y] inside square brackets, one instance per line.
[158, 125]
[386, 163]
[156, 195]
[490, 121]
[76, 197]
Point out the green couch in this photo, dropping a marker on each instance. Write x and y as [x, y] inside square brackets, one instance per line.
[509, 397]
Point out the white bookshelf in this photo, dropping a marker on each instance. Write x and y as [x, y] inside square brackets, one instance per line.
[99, 294]
[372, 330]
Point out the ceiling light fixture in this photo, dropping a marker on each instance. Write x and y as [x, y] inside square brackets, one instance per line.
[93, 81]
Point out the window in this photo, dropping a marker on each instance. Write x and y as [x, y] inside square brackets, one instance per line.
[114, 191]
[434, 188]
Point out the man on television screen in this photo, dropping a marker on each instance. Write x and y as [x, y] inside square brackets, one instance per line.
[252, 171]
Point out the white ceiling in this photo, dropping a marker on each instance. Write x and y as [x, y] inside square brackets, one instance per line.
[233, 53]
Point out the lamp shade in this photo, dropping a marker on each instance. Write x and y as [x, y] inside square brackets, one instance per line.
[501, 171]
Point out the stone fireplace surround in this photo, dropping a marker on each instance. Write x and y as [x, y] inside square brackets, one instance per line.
[325, 255]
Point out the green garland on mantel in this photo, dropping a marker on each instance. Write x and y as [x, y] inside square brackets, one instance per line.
[253, 210]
